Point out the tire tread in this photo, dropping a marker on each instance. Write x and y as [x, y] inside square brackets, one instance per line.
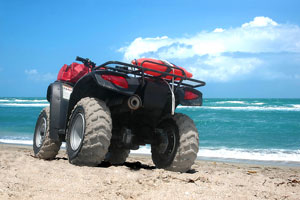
[188, 144]
[50, 147]
[97, 132]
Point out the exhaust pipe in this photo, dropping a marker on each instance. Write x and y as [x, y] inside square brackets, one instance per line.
[134, 102]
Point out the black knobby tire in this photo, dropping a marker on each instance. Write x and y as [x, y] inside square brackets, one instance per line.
[91, 121]
[182, 146]
[117, 156]
[43, 146]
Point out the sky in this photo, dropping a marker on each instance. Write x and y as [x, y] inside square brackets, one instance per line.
[241, 49]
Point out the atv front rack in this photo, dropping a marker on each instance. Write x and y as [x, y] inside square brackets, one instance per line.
[136, 70]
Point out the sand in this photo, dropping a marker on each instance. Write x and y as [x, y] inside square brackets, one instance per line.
[24, 177]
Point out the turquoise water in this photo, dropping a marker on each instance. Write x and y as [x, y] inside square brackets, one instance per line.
[248, 123]
[252, 129]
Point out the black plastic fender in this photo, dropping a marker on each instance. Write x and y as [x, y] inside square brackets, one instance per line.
[93, 85]
[58, 95]
[156, 94]
[193, 102]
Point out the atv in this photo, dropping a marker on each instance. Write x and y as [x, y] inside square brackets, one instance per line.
[102, 112]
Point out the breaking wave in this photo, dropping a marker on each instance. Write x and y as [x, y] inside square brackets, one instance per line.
[19, 102]
[276, 155]
[231, 102]
[24, 104]
[246, 108]
[256, 154]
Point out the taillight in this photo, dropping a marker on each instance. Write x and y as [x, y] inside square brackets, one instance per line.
[117, 80]
[188, 95]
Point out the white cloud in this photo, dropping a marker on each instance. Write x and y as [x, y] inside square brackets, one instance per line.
[33, 74]
[218, 30]
[140, 46]
[223, 68]
[215, 51]
[260, 22]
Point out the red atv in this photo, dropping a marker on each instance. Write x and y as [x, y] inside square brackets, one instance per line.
[102, 112]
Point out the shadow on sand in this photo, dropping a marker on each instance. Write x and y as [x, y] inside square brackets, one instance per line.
[131, 165]
[137, 166]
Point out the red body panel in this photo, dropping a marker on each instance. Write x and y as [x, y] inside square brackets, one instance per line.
[117, 80]
[159, 68]
[72, 73]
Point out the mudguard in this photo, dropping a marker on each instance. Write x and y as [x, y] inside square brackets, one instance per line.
[93, 85]
[58, 94]
[194, 102]
[94, 81]
[155, 95]
[133, 83]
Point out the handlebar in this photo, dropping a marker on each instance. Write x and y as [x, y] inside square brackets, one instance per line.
[81, 59]
[87, 62]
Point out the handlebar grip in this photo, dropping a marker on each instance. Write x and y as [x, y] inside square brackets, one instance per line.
[81, 59]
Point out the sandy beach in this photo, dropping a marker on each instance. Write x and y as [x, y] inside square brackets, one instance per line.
[25, 177]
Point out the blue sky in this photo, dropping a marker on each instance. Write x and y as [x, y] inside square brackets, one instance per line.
[240, 48]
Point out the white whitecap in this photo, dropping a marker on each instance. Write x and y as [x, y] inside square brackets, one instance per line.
[258, 154]
[26, 100]
[239, 108]
[9, 141]
[255, 108]
[22, 142]
[24, 104]
[258, 103]
[231, 102]
[279, 155]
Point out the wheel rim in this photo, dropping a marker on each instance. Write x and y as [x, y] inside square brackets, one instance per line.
[169, 146]
[77, 132]
[41, 132]
[171, 140]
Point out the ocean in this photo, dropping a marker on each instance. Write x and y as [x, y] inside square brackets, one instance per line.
[252, 130]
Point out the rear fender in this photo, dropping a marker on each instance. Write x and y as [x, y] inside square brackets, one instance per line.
[156, 94]
[180, 97]
[133, 83]
[93, 85]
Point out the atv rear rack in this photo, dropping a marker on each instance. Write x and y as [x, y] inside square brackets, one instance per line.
[140, 71]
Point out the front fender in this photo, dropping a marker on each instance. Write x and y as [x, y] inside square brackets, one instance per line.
[57, 95]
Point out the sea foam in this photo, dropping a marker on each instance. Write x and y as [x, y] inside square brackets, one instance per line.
[255, 154]
[242, 154]
[277, 155]
[245, 108]
[22, 142]
[24, 104]
[31, 101]
[231, 102]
